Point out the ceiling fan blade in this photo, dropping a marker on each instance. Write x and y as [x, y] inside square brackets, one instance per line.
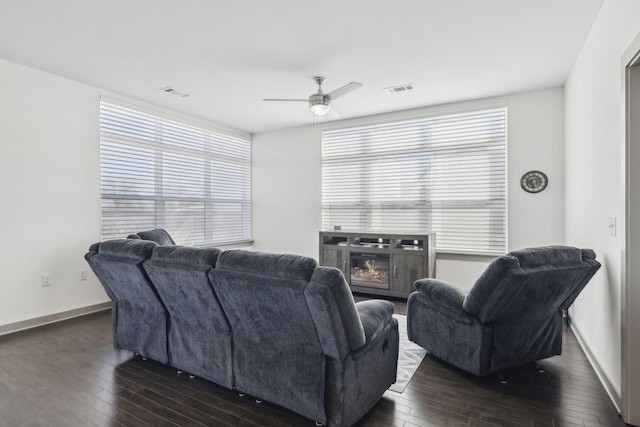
[334, 112]
[343, 90]
[285, 99]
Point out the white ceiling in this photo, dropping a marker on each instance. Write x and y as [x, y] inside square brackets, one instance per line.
[230, 54]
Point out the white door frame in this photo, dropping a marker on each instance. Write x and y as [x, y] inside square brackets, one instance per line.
[630, 236]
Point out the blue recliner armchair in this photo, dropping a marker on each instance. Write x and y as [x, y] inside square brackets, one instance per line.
[511, 316]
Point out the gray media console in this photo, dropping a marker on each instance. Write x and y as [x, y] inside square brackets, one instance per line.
[380, 263]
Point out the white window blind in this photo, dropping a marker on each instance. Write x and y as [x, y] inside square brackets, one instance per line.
[444, 174]
[160, 172]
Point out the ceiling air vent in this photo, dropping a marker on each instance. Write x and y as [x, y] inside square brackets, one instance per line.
[175, 92]
[397, 89]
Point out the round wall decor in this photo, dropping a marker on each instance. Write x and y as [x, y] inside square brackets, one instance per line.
[534, 181]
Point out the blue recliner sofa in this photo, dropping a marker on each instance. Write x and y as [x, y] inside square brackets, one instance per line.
[511, 316]
[277, 327]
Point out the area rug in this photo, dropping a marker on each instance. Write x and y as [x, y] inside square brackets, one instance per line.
[410, 356]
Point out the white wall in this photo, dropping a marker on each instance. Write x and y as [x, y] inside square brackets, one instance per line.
[594, 137]
[50, 192]
[50, 187]
[286, 198]
[287, 180]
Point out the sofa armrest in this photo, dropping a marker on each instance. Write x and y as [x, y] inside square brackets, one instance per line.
[441, 295]
[441, 292]
[437, 322]
[357, 382]
[374, 315]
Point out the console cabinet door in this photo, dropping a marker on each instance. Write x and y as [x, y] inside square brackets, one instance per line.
[406, 268]
[338, 258]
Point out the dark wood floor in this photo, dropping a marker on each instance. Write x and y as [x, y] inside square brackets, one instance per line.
[68, 374]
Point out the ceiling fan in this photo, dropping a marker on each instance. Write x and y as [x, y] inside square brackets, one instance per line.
[319, 102]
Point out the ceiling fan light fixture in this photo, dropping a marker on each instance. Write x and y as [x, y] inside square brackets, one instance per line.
[319, 108]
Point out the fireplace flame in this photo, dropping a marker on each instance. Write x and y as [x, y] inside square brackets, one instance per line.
[371, 269]
[371, 272]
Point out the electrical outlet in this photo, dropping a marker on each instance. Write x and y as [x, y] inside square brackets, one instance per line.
[82, 274]
[46, 279]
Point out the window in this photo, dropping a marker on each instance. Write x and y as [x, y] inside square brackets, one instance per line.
[160, 172]
[444, 174]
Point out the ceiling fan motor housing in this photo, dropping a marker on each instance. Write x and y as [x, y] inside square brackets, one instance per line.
[318, 98]
[319, 104]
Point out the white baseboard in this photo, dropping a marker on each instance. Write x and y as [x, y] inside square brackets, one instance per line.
[52, 318]
[602, 375]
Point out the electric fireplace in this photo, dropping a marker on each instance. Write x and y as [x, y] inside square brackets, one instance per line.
[370, 270]
[377, 263]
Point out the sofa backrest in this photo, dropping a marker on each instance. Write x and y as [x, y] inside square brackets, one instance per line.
[588, 257]
[199, 333]
[180, 276]
[158, 235]
[118, 266]
[275, 342]
[530, 282]
[139, 315]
